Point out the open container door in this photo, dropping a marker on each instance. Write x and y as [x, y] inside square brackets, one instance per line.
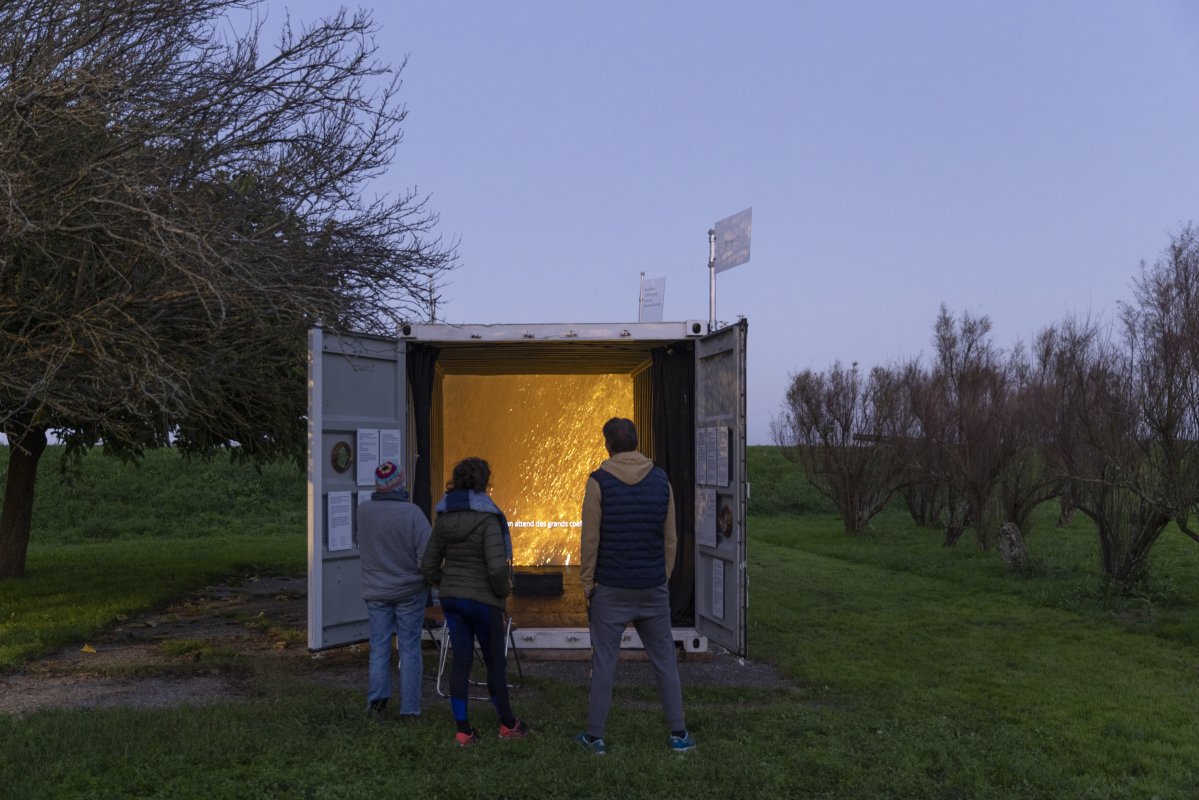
[721, 587]
[357, 412]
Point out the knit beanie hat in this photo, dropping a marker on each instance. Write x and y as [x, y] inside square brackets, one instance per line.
[389, 477]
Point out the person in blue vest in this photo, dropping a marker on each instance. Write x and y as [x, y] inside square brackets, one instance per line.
[628, 547]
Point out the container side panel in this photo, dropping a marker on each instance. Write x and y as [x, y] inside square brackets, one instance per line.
[721, 595]
[316, 508]
[357, 384]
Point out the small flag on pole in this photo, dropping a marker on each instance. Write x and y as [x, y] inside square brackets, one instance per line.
[653, 294]
[732, 240]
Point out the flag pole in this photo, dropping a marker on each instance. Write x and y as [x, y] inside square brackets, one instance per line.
[711, 280]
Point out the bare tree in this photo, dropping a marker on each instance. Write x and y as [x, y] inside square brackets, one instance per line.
[926, 487]
[1162, 330]
[1128, 440]
[968, 387]
[975, 455]
[1097, 448]
[179, 206]
[1027, 478]
[831, 424]
[933, 486]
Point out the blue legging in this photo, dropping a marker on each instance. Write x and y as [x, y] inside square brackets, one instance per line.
[470, 620]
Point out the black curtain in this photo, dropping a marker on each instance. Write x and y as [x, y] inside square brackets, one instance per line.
[421, 363]
[674, 451]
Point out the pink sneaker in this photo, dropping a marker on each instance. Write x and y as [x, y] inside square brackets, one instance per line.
[518, 731]
[466, 739]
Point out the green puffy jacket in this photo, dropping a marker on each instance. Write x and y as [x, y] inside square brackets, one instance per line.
[467, 559]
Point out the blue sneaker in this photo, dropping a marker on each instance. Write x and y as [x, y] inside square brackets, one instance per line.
[595, 745]
[682, 744]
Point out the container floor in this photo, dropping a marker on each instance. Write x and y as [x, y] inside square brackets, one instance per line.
[567, 610]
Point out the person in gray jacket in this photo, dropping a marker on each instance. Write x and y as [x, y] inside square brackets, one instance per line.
[392, 536]
[628, 544]
[470, 558]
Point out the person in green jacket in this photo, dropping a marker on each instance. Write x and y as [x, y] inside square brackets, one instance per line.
[469, 557]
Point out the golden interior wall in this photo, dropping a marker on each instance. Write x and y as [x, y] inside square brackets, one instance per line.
[542, 436]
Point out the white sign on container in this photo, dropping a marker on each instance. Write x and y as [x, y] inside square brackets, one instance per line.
[341, 521]
[375, 446]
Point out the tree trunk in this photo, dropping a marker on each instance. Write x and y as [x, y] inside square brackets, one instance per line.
[925, 503]
[953, 532]
[982, 518]
[1068, 510]
[957, 519]
[17, 515]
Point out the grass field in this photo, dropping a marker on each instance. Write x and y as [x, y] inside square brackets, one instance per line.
[918, 671]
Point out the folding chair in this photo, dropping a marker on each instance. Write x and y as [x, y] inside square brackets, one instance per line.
[443, 640]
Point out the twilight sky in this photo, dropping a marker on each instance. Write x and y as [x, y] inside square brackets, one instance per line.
[1015, 159]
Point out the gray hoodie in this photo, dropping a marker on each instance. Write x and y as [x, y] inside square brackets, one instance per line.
[392, 536]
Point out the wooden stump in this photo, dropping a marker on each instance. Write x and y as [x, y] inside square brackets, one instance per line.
[1011, 547]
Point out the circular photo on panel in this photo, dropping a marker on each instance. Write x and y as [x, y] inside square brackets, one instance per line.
[724, 520]
[341, 456]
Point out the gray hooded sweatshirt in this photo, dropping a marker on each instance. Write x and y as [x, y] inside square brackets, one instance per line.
[392, 537]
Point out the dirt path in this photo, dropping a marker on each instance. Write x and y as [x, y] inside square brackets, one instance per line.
[206, 648]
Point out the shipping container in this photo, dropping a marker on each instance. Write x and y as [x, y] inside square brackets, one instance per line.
[531, 399]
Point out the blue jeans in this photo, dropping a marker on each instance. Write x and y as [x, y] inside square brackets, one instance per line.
[403, 619]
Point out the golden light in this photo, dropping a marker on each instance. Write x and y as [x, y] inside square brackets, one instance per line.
[541, 434]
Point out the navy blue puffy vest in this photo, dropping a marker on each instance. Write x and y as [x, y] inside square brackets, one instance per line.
[631, 553]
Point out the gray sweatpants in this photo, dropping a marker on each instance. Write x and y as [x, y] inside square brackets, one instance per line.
[648, 610]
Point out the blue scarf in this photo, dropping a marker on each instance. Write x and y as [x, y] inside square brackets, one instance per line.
[470, 500]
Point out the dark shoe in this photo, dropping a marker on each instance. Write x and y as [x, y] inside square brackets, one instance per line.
[377, 709]
[466, 739]
[518, 731]
[594, 744]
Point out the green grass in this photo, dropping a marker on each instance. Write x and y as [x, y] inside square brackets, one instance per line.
[777, 486]
[72, 591]
[121, 538]
[1065, 572]
[966, 683]
[919, 672]
[162, 497]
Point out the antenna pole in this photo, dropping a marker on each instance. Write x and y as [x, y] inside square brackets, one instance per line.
[711, 280]
[641, 299]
